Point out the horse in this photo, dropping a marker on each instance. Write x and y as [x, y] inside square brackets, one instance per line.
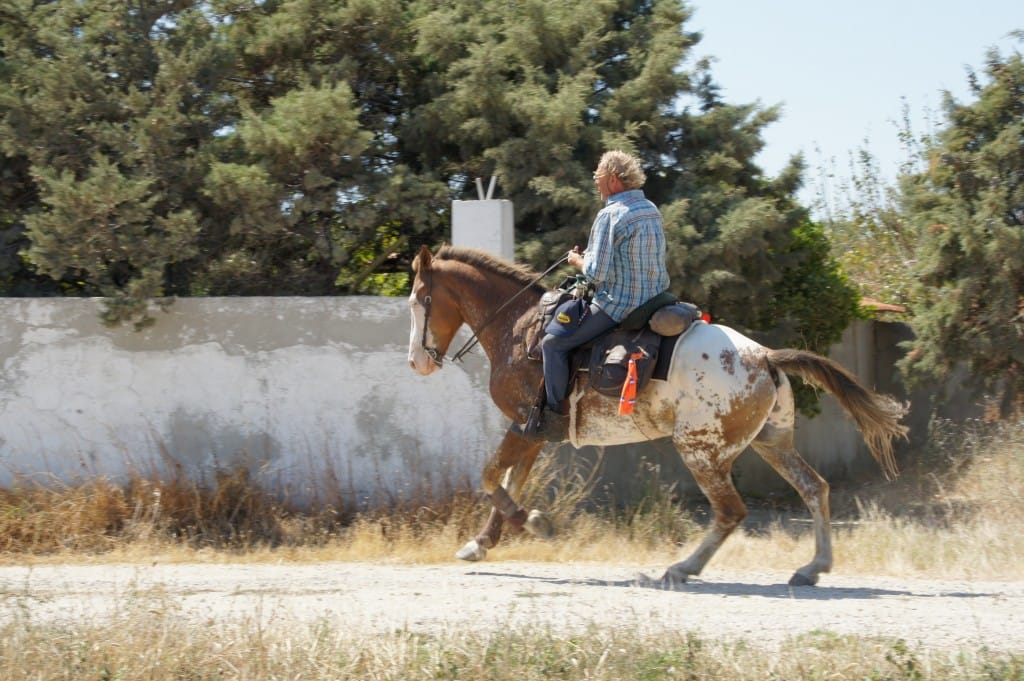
[723, 392]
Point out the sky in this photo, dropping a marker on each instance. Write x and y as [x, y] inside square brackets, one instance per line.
[845, 71]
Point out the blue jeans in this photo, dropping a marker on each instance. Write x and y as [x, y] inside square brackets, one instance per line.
[556, 349]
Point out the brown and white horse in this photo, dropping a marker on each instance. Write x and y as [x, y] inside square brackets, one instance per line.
[723, 392]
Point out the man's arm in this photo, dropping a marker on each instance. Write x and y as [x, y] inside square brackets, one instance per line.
[597, 260]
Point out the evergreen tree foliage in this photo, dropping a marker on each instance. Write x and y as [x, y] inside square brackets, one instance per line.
[871, 237]
[968, 209]
[305, 146]
[17, 191]
[113, 106]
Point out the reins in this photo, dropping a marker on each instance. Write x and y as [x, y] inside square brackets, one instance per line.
[475, 338]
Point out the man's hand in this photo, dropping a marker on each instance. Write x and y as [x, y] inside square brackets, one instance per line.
[576, 257]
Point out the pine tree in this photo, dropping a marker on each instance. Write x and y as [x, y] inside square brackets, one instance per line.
[290, 146]
[318, 177]
[534, 92]
[111, 116]
[968, 209]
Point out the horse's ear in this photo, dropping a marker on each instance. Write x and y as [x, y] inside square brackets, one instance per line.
[422, 261]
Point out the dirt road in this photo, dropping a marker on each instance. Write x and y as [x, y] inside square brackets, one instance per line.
[370, 598]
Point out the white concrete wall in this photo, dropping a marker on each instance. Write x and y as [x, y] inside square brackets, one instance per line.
[314, 394]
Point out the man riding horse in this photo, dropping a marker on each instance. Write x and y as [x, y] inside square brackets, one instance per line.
[625, 258]
[720, 393]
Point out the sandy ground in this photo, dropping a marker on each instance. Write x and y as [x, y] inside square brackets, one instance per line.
[564, 598]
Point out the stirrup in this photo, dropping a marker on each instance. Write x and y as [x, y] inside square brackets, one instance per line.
[545, 425]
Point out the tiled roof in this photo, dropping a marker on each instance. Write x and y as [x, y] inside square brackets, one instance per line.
[879, 306]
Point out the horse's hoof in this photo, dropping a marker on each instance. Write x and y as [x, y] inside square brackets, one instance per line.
[539, 525]
[802, 580]
[672, 580]
[471, 552]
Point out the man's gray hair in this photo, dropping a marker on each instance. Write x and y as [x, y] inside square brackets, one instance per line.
[625, 166]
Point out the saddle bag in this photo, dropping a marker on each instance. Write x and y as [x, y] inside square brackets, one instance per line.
[549, 304]
[572, 288]
[572, 297]
[609, 359]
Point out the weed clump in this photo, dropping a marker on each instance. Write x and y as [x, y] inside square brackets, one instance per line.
[957, 517]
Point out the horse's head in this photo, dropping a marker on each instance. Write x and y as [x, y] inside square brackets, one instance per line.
[435, 315]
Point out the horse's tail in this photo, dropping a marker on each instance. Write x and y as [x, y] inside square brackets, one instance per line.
[877, 416]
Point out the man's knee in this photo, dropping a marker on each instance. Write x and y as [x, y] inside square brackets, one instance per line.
[549, 347]
[552, 344]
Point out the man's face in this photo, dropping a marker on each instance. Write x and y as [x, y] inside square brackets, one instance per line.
[604, 181]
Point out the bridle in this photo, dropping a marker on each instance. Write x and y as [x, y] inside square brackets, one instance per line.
[432, 352]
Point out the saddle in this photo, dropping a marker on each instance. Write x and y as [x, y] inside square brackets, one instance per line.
[646, 335]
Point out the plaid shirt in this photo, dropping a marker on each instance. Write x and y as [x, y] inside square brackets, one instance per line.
[626, 254]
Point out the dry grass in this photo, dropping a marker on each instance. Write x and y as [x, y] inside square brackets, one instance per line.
[231, 518]
[953, 515]
[956, 513]
[148, 642]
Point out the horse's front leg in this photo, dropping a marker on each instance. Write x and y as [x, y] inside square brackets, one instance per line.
[508, 466]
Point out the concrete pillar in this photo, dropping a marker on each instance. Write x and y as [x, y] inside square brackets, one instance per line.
[487, 224]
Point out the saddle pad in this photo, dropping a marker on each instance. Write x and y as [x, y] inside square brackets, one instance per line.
[581, 356]
[665, 353]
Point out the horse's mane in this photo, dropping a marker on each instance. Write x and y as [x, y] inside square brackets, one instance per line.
[520, 274]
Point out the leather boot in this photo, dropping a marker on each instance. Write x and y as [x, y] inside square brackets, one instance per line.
[552, 426]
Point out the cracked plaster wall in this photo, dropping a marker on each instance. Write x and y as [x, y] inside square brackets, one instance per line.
[313, 395]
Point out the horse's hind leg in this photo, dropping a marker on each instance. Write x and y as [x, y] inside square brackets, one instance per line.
[713, 478]
[775, 445]
[508, 466]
